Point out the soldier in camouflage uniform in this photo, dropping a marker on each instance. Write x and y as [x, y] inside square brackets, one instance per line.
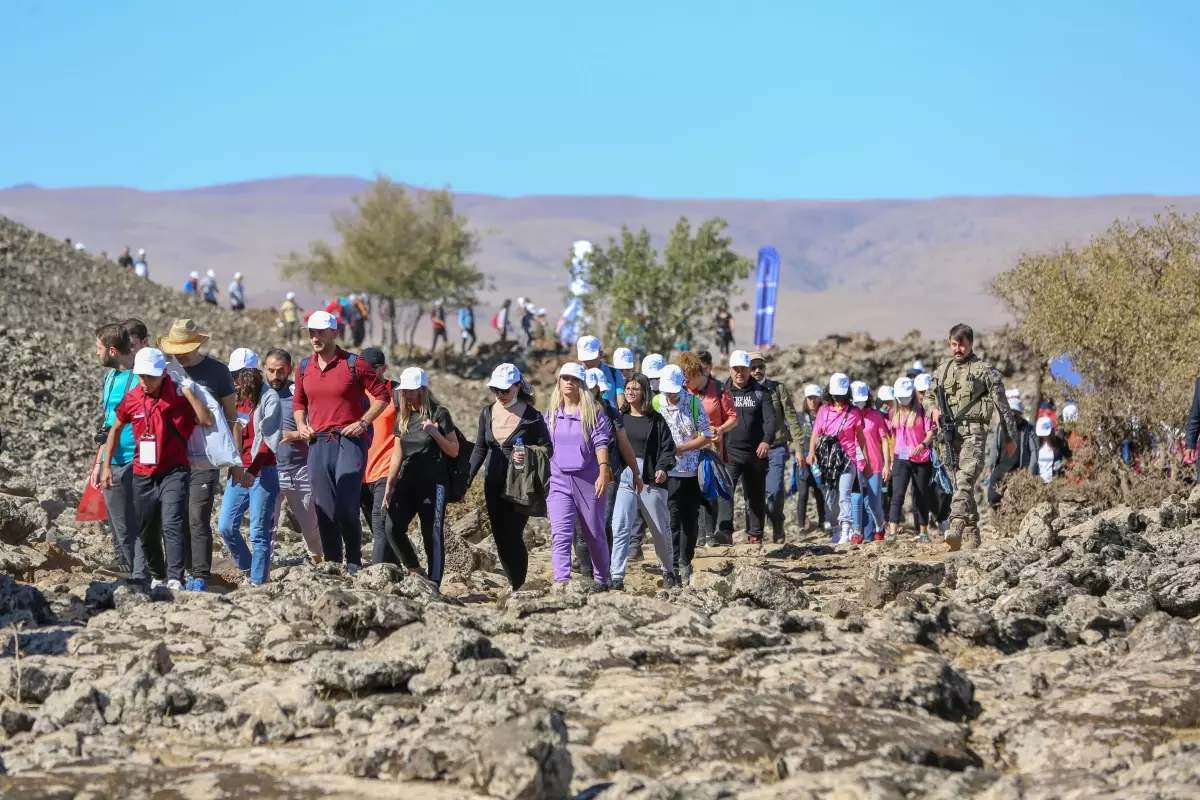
[964, 377]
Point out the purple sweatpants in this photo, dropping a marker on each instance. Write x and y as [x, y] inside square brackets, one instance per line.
[572, 494]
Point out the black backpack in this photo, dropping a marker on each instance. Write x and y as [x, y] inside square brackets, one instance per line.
[831, 456]
[458, 469]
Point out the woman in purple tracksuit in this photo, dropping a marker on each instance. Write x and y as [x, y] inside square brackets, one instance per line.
[579, 473]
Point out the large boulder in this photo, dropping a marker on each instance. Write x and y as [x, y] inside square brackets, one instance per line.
[890, 576]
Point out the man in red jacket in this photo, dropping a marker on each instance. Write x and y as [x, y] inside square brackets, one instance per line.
[163, 416]
[337, 398]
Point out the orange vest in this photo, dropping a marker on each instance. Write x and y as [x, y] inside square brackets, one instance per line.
[379, 457]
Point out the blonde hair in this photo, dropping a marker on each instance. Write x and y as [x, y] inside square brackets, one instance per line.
[429, 404]
[589, 406]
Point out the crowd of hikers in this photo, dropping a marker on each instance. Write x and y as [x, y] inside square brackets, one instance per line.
[618, 450]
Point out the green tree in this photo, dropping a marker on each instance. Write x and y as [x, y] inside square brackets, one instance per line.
[405, 246]
[1125, 309]
[696, 277]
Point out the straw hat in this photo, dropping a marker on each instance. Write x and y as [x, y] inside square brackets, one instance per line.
[184, 337]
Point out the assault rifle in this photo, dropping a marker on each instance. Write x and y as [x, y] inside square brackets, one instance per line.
[948, 425]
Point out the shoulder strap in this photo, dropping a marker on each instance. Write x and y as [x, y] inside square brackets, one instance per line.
[104, 386]
[352, 362]
[696, 413]
[300, 370]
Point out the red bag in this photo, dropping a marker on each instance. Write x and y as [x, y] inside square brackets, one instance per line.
[91, 506]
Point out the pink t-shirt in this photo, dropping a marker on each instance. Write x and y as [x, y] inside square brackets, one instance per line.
[910, 436]
[843, 423]
[876, 432]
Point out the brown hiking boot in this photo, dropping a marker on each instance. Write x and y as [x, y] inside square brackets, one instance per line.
[954, 534]
[970, 540]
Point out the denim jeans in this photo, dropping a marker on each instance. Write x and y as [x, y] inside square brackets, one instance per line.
[260, 500]
[869, 498]
[838, 502]
[651, 506]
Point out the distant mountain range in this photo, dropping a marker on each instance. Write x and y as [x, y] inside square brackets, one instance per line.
[883, 266]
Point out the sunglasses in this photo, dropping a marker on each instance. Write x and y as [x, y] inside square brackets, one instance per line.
[499, 392]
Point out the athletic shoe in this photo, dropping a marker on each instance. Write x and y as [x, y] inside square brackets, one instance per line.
[187, 587]
[174, 585]
[856, 538]
[352, 569]
[923, 538]
[670, 581]
[635, 555]
[891, 538]
[114, 569]
[199, 585]
[754, 539]
[155, 583]
[617, 585]
[685, 576]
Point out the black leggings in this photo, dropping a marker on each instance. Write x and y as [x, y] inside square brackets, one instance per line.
[428, 502]
[920, 475]
[683, 501]
[508, 529]
[802, 491]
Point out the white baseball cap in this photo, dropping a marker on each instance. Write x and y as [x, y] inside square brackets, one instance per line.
[1016, 405]
[194, 275]
[149, 361]
[922, 382]
[860, 392]
[80, 246]
[918, 366]
[505, 377]
[595, 378]
[291, 295]
[1070, 413]
[886, 394]
[652, 365]
[1011, 393]
[321, 321]
[623, 358]
[1045, 426]
[573, 370]
[141, 251]
[243, 358]
[903, 389]
[211, 273]
[541, 312]
[739, 358]
[812, 390]
[352, 298]
[237, 276]
[670, 380]
[839, 384]
[587, 348]
[413, 378]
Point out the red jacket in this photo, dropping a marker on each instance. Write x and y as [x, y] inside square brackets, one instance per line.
[169, 418]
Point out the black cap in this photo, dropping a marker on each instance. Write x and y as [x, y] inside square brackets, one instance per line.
[374, 357]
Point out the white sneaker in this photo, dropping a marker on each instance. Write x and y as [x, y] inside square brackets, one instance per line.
[352, 569]
[845, 537]
[828, 528]
[155, 583]
[175, 586]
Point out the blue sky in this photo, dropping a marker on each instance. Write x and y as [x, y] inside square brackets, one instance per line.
[783, 99]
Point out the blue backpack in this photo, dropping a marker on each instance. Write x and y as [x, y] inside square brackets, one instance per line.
[713, 476]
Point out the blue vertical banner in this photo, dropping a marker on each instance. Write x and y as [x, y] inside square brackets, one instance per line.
[766, 291]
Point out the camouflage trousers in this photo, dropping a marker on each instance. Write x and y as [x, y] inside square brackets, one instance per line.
[969, 443]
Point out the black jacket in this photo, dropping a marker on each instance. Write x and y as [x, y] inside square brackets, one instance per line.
[660, 449]
[531, 428]
[755, 418]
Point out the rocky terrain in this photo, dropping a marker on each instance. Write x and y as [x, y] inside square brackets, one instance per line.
[1058, 661]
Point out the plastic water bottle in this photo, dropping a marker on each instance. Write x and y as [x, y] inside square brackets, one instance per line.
[519, 447]
[816, 473]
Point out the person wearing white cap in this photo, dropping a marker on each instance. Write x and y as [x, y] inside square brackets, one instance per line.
[999, 462]
[652, 366]
[624, 362]
[691, 433]
[749, 441]
[289, 315]
[836, 441]
[163, 415]
[887, 400]
[418, 479]
[779, 457]
[337, 398]
[642, 496]
[260, 423]
[80, 246]
[620, 454]
[590, 355]
[237, 293]
[1052, 453]
[579, 473]
[509, 429]
[141, 266]
[972, 389]
[806, 481]
[208, 288]
[911, 464]
[191, 286]
[874, 468]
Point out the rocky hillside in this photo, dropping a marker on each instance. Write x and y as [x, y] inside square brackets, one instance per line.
[1058, 661]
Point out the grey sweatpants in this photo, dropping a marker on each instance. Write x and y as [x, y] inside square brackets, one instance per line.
[294, 486]
[123, 519]
[650, 506]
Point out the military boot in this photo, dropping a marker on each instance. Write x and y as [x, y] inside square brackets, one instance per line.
[954, 534]
[970, 539]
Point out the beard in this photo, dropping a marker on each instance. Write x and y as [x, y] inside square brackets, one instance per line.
[111, 362]
[277, 385]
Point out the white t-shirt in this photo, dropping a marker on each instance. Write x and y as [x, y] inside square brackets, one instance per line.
[141, 269]
[1046, 462]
